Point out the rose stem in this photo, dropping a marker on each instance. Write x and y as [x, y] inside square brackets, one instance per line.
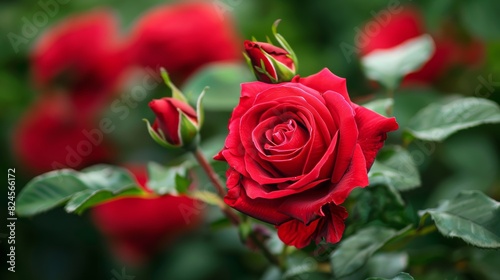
[232, 216]
[214, 178]
[390, 95]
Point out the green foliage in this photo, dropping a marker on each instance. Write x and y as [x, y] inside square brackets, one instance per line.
[438, 121]
[395, 168]
[355, 251]
[387, 264]
[400, 276]
[223, 81]
[380, 106]
[471, 216]
[77, 190]
[379, 204]
[389, 66]
[462, 153]
[171, 180]
[480, 16]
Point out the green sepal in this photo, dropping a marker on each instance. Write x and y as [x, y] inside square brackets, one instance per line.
[283, 73]
[200, 111]
[188, 130]
[176, 93]
[284, 44]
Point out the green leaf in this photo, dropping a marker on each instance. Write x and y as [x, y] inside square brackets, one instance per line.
[438, 121]
[354, 252]
[224, 80]
[274, 243]
[379, 204]
[380, 106]
[471, 216]
[80, 190]
[387, 264]
[167, 180]
[395, 167]
[302, 266]
[400, 276]
[389, 66]
[208, 197]
[86, 199]
[461, 154]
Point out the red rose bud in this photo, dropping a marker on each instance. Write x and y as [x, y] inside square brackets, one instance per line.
[173, 116]
[269, 63]
[177, 123]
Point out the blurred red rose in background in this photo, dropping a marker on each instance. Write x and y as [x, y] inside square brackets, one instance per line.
[83, 57]
[451, 48]
[137, 227]
[183, 37]
[50, 137]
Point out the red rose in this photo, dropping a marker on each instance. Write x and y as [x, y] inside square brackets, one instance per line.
[182, 38]
[296, 150]
[82, 57]
[278, 63]
[137, 227]
[408, 24]
[168, 119]
[50, 137]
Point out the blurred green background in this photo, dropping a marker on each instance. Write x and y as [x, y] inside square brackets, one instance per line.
[56, 245]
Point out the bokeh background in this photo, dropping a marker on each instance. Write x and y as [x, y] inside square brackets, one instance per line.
[56, 245]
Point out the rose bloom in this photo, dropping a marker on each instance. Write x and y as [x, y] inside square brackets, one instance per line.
[296, 150]
[83, 57]
[451, 48]
[182, 38]
[49, 136]
[138, 227]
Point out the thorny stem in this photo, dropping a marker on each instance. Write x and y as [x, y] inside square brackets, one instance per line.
[231, 215]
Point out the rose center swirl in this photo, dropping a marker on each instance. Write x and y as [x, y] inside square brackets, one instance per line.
[285, 138]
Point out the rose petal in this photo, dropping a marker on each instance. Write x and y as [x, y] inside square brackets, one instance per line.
[261, 209]
[373, 130]
[343, 114]
[306, 206]
[332, 225]
[324, 81]
[296, 233]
